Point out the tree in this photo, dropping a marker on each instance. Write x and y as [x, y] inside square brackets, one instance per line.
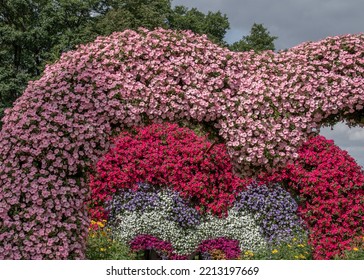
[131, 14]
[258, 40]
[214, 25]
[34, 33]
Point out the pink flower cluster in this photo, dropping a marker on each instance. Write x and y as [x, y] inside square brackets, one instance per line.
[262, 105]
[330, 187]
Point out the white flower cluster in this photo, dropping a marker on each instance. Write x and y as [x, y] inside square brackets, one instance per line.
[237, 225]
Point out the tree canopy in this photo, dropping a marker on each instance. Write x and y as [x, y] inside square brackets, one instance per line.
[34, 33]
[259, 39]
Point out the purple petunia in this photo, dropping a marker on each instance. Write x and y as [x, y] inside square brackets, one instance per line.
[274, 209]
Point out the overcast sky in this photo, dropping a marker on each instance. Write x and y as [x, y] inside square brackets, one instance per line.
[294, 22]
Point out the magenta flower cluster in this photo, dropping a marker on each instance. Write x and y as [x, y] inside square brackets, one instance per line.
[262, 105]
[229, 247]
[163, 248]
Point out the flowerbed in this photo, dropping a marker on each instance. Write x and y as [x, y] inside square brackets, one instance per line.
[158, 215]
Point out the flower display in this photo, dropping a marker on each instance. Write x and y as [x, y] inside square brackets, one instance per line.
[163, 248]
[176, 230]
[263, 106]
[275, 211]
[143, 209]
[330, 188]
[162, 222]
[148, 197]
[229, 249]
[166, 155]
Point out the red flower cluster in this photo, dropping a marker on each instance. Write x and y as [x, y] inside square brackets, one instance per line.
[166, 155]
[329, 184]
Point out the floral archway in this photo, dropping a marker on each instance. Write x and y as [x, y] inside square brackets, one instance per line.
[263, 106]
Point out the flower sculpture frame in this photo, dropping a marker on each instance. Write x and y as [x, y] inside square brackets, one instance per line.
[263, 107]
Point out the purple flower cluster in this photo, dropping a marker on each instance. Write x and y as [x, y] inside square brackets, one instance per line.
[274, 210]
[183, 213]
[145, 196]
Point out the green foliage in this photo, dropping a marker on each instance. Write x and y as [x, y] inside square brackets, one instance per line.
[297, 249]
[131, 14]
[352, 255]
[356, 251]
[258, 40]
[100, 246]
[214, 25]
[34, 33]
[357, 254]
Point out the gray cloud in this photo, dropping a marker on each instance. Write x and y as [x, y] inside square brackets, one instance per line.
[292, 21]
[348, 139]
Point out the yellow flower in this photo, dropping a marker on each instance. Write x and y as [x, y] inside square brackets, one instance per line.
[102, 249]
[300, 245]
[249, 254]
[294, 239]
[100, 224]
[355, 249]
[275, 251]
[289, 245]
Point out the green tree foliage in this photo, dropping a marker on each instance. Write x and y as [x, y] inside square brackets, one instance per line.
[258, 40]
[150, 14]
[131, 14]
[35, 32]
[214, 25]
